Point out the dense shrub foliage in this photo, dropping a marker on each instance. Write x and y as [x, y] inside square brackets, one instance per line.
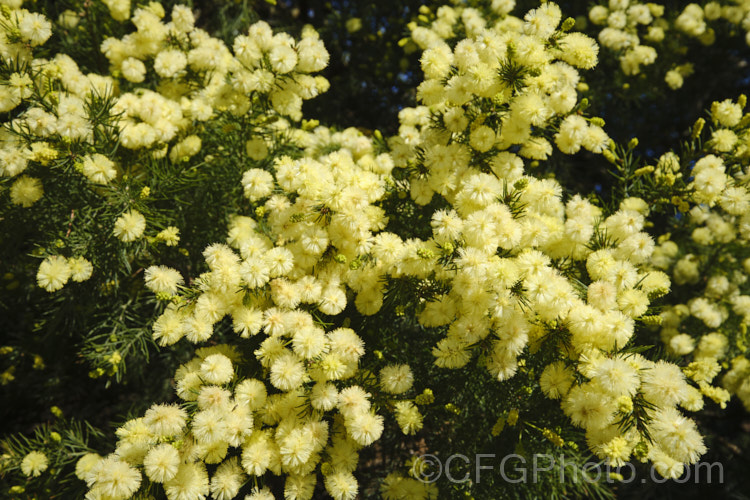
[524, 234]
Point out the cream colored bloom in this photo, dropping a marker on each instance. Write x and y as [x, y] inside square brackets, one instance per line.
[130, 226]
[34, 463]
[53, 273]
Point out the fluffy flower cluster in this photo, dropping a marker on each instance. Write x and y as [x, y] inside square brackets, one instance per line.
[710, 327]
[198, 78]
[636, 31]
[496, 247]
[500, 87]
[244, 428]
[55, 271]
[274, 65]
[626, 25]
[314, 217]
[509, 268]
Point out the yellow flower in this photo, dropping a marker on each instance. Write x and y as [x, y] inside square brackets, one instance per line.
[26, 191]
[34, 464]
[53, 273]
[130, 226]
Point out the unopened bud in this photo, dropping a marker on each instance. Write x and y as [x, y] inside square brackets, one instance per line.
[498, 427]
[452, 408]
[624, 404]
[553, 437]
[643, 171]
[698, 127]
[609, 156]
[512, 417]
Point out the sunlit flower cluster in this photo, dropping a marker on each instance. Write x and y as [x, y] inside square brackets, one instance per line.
[495, 249]
[199, 77]
[710, 327]
[512, 271]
